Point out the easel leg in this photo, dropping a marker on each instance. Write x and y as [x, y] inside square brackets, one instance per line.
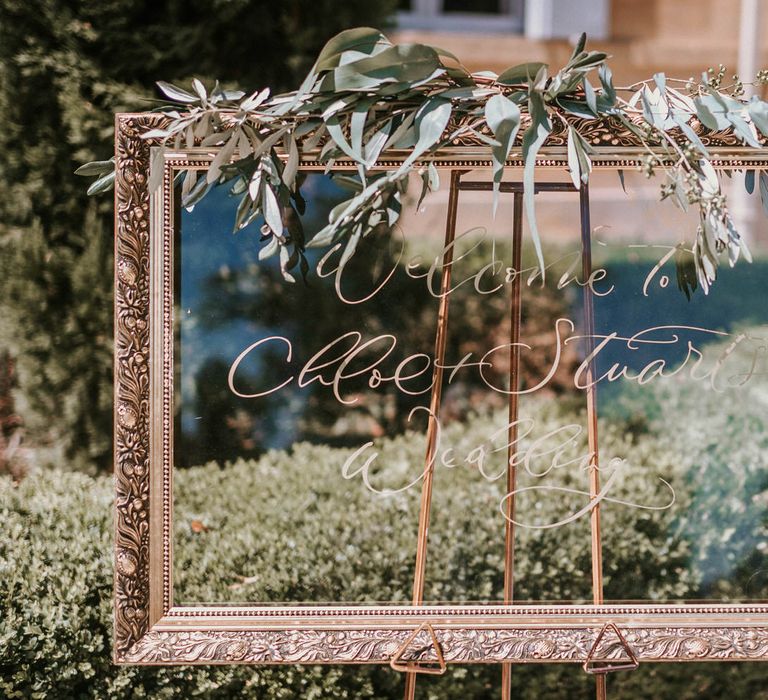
[594, 467]
[434, 408]
[514, 384]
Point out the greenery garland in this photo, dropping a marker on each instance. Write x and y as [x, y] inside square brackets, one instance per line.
[365, 95]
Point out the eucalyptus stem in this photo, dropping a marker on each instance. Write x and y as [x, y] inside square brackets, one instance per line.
[365, 95]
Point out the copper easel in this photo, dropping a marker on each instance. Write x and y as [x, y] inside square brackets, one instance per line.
[440, 341]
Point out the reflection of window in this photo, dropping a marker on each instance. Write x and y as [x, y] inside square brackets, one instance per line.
[537, 19]
[462, 15]
[489, 7]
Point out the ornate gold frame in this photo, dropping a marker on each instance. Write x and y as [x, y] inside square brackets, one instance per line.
[150, 630]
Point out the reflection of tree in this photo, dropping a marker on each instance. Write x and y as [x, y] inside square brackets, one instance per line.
[312, 316]
[224, 428]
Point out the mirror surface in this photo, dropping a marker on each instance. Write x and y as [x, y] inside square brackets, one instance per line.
[301, 408]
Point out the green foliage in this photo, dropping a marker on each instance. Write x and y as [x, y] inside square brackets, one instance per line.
[365, 94]
[65, 69]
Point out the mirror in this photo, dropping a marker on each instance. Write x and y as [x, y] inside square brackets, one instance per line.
[311, 400]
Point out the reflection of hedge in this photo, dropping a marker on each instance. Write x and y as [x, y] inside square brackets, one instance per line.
[240, 523]
[295, 529]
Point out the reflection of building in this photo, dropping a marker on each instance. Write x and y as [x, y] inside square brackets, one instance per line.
[643, 37]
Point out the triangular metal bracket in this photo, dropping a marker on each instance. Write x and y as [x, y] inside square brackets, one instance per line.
[597, 666]
[398, 664]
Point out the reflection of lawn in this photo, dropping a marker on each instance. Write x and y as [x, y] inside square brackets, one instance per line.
[736, 298]
[721, 440]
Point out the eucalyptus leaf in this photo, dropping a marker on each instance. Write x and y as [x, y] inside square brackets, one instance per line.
[200, 189]
[337, 134]
[394, 208]
[685, 266]
[479, 135]
[350, 248]
[312, 141]
[272, 211]
[608, 95]
[232, 95]
[176, 94]
[96, 167]
[190, 179]
[270, 249]
[156, 164]
[749, 181]
[357, 127]
[712, 111]
[693, 137]
[375, 144]
[587, 60]
[285, 259]
[254, 186]
[292, 164]
[742, 128]
[590, 96]
[758, 113]
[579, 46]
[430, 123]
[533, 138]
[764, 189]
[575, 107]
[199, 89]
[400, 63]
[424, 189]
[403, 133]
[338, 105]
[223, 156]
[269, 142]
[255, 100]
[362, 39]
[578, 161]
[241, 215]
[523, 73]
[156, 134]
[706, 117]
[103, 184]
[503, 117]
[434, 178]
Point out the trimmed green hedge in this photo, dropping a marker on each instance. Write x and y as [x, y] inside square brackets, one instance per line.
[55, 628]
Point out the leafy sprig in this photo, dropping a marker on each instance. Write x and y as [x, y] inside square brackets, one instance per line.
[365, 96]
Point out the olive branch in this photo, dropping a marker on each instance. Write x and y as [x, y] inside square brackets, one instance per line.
[365, 96]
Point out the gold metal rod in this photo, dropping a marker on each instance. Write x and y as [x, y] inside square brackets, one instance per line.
[600, 687]
[434, 407]
[589, 332]
[594, 467]
[514, 385]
